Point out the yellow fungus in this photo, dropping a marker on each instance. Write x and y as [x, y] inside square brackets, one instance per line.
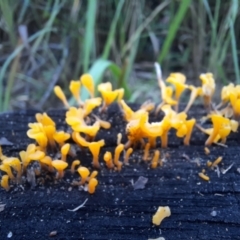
[60, 94]
[203, 176]
[64, 151]
[93, 175]
[209, 163]
[208, 87]
[94, 148]
[146, 152]
[15, 164]
[92, 185]
[206, 150]
[119, 138]
[91, 104]
[84, 173]
[7, 169]
[127, 155]
[103, 124]
[60, 137]
[5, 182]
[155, 159]
[161, 213]
[74, 164]
[75, 87]
[60, 166]
[216, 162]
[88, 83]
[108, 159]
[117, 153]
[47, 161]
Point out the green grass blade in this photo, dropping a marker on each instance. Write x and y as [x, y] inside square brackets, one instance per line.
[10, 59]
[56, 9]
[174, 27]
[7, 13]
[112, 30]
[89, 41]
[234, 52]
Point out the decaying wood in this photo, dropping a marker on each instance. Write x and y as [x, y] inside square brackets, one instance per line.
[199, 209]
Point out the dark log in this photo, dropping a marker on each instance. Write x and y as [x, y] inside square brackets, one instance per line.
[199, 209]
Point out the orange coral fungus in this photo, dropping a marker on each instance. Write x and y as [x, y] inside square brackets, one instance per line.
[60, 166]
[94, 148]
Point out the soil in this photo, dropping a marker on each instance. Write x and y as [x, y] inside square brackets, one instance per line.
[199, 209]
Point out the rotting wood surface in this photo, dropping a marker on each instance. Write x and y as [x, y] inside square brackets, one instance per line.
[199, 209]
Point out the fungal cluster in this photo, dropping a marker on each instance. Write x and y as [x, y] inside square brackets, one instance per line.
[37, 158]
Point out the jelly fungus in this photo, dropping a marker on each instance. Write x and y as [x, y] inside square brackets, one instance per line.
[84, 173]
[94, 148]
[60, 166]
[64, 151]
[117, 153]
[60, 94]
[127, 155]
[92, 185]
[208, 87]
[74, 164]
[108, 159]
[75, 87]
[88, 83]
[5, 182]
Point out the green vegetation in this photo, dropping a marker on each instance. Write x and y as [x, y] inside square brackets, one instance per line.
[44, 43]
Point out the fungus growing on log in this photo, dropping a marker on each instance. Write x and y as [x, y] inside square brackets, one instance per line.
[94, 148]
[60, 94]
[64, 151]
[60, 166]
[84, 173]
[161, 213]
[108, 159]
[74, 164]
[92, 185]
[117, 153]
[5, 182]
[88, 83]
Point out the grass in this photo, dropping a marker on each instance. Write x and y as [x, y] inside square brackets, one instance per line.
[52, 42]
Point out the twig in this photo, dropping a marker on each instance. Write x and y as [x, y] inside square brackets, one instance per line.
[77, 208]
